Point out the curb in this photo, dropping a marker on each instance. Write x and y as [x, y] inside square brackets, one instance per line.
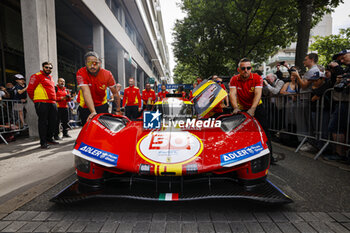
[23, 198]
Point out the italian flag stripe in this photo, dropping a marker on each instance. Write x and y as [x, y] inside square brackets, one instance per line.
[168, 196]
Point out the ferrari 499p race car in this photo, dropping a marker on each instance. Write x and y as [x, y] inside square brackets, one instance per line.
[172, 154]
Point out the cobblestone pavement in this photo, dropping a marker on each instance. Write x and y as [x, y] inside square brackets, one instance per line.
[196, 221]
[320, 193]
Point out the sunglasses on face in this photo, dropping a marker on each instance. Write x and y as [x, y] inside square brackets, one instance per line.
[90, 63]
[48, 67]
[244, 68]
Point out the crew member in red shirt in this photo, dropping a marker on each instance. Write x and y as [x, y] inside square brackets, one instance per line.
[190, 95]
[181, 91]
[162, 93]
[199, 80]
[62, 99]
[93, 81]
[245, 95]
[132, 100]
[41, 89]
[148, 97]
[219, 81]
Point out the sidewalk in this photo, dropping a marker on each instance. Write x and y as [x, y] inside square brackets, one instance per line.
[343, 166]
[25, 165]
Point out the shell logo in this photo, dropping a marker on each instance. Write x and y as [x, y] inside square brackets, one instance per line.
[169, 147]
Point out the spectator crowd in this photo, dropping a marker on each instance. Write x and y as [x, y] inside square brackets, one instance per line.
[313, 106]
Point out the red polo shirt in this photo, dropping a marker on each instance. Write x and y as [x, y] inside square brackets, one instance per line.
[132, 97]
[61, 100]
[245, 89]
[148, 94]
[162, 94]
[98, 85]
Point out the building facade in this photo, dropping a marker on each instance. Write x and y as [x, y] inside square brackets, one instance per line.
[127, 34]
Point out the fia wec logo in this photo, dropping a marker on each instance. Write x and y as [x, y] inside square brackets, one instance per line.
[152, 119]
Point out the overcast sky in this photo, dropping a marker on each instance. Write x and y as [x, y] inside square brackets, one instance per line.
[171, 12]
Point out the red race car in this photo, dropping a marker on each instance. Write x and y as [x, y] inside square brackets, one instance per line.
[170, 154]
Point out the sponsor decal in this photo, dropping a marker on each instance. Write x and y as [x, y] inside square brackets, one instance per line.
[168, 196]
[104, 128]
[169, 147]
[241, 154]
[98, 154]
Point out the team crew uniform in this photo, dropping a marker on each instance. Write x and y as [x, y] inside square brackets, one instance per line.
[245, 96]
[146, 95]
[41, 89]
[62, 108]
[162, 95]
[98, 85]
[132, 102]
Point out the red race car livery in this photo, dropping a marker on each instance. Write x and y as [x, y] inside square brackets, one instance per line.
[169, 154]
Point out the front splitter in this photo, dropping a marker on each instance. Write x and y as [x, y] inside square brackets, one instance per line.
[265, 192]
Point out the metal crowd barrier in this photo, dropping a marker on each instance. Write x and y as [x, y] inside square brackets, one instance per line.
[296, 114]
[73, 118]
[10, 121]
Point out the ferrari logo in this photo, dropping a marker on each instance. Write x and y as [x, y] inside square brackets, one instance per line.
[168, 159]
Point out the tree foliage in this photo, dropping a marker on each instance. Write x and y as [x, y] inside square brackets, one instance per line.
[220, 32]
[310, 12]
[216, 34]
[183, 74]
[327, 46]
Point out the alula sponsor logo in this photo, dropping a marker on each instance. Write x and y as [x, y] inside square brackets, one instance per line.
[192, 123]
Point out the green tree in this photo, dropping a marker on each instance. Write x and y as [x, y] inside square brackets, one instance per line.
[216, 33]
[310, 12]
[183, 74]
[327, 46]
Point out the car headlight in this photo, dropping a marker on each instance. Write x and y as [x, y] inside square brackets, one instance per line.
[114, 124]
[231, 122]
[81, 164]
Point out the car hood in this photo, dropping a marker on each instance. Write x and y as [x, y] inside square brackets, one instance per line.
[170, 150]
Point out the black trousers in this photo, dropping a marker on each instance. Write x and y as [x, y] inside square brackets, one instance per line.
[132, 112]
[85, 112]
[47, 115]
[261, 116]
[62, 117]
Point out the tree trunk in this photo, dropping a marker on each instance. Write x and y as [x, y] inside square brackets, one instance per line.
[304, 27]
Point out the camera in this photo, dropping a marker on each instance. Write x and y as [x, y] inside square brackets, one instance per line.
[343, 84]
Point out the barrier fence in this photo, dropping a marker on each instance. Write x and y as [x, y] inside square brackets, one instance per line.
[11, 117]
[320, 122]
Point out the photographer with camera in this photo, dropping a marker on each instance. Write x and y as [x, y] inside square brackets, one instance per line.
[340, 117]
[62, 98]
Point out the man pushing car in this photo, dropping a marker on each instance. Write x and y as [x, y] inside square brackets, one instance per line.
[245, 95]
[93, 81]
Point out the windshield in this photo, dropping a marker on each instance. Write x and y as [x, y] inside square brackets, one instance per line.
[175, 108]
